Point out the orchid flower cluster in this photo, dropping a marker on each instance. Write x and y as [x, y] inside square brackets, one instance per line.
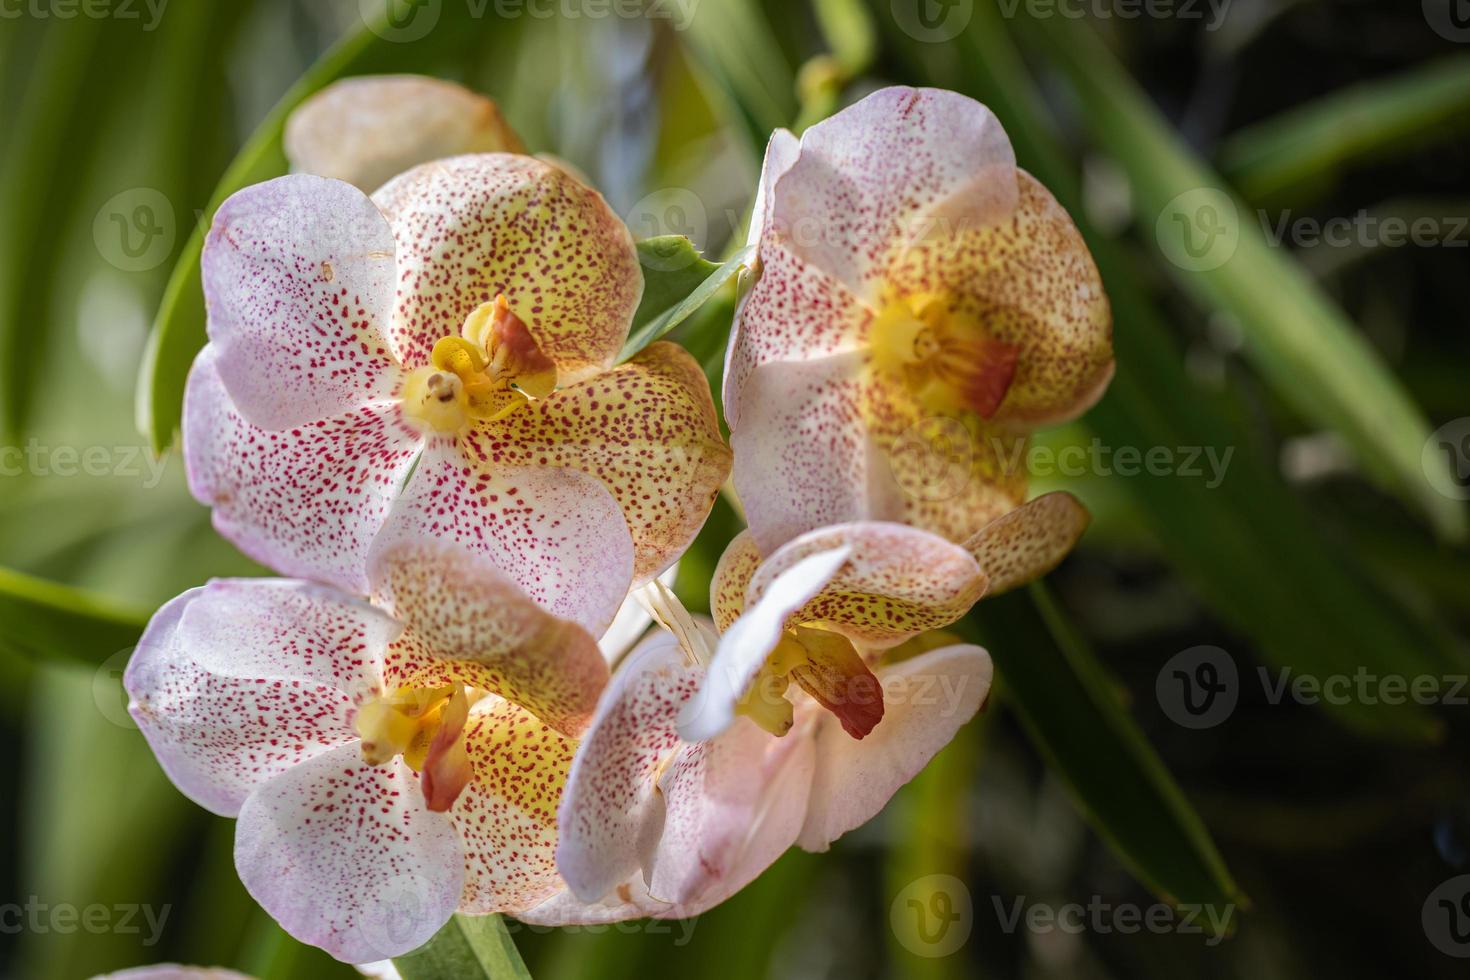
[412, 405]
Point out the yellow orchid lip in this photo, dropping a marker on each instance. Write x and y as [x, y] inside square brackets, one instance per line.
[491, 369]
[829, 668]
[426, 727]
[946, 357]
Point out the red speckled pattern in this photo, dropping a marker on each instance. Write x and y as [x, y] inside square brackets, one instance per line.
[731, 578]
[897, 582]
[236, 682]
[646, 429]
[557, 532]
[506, 816]
[246, 691]
[307, 500]
[471, 624]
[346, 856]
[611, 801]
[793, 312]
[825, 441]
[910, 193]
[298, 280]
[470, 228]
[1031, 281]
[1029, 541]
[900, 165]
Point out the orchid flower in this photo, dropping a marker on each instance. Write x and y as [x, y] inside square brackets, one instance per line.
[716, 747]
[369, 129]
[440, 358]
[919, 299]
[379, 783]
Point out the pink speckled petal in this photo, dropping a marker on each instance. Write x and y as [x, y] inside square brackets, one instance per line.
[506, 816]
[825, 441]
[720, 797]
[793, 312]
[750, 639]
[803, 454]
[346, 856]
[926, 700]
[1029, 541]
[368, 129]
[611, 806]
[557, 533]
[1030, 280]
[469, 228]
[298, 282]
[238, 681]
[897, 581]
[305, 501]
[731, 811]
[902, 164]
[781, 152]
[647, 429]
[469, 623]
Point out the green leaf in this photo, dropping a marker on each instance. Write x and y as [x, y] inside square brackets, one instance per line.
[178, 332]
[1372, 120]
[44, 620]
[468, 946]
[677, 281]
[1067, 703]
[1316, 360]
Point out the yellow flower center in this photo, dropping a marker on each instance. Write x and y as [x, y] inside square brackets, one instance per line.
[943, 354]
[491, 369]
[426, 727]
[829, 668]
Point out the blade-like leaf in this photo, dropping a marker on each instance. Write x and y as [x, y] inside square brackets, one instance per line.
[1313, 142]
[468, 946]
[1316, 360]
[677, 281]
[1066, 701]
[45, 620]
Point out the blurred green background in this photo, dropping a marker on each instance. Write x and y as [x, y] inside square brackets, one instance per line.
[1276, 193]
